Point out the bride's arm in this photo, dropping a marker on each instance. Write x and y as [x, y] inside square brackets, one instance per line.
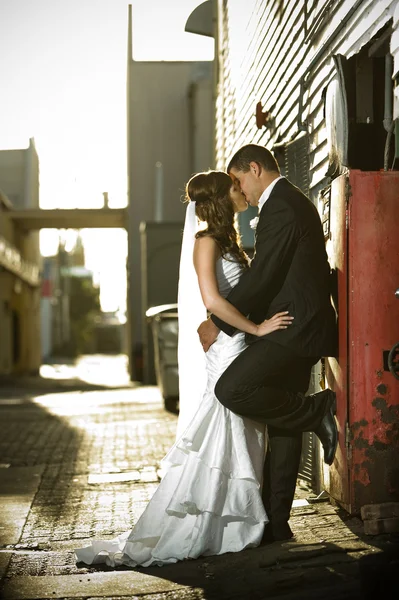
[206, 253]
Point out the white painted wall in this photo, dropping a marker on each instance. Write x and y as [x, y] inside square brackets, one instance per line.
[164, 126]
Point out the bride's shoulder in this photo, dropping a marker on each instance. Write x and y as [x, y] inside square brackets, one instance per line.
[206, 244]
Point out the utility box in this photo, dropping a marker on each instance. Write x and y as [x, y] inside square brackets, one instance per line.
[160, 260]
[362, 227]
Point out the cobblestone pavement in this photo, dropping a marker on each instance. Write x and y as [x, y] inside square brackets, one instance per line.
[77, 464]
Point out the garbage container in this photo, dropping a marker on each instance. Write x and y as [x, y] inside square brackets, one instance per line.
[164, 325]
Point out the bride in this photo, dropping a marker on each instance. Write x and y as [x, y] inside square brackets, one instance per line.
[209, 500]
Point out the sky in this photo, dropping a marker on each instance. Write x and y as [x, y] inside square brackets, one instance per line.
[63, 74]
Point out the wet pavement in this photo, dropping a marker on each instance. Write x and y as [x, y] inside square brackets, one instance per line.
[80, 460]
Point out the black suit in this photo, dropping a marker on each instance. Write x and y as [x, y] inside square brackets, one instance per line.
[289, 271]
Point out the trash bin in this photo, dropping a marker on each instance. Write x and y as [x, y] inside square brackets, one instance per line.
[164, 325]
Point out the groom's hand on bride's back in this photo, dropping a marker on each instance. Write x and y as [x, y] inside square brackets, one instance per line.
[208, 333]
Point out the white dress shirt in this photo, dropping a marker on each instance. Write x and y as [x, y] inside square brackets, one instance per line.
[265, 196]
[262, 200]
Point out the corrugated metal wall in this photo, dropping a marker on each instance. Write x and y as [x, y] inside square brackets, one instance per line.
[265, 50]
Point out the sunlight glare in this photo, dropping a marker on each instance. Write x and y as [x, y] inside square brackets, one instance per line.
[66, 87]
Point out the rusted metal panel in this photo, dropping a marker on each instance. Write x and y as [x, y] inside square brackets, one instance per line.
[364, 250]
[374, 329]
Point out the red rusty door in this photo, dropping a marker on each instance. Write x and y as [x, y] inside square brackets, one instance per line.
[373, 323]
[364, 249]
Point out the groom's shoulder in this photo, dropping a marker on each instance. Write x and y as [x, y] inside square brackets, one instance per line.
[288, 189]
[285, 192]
[288, 201]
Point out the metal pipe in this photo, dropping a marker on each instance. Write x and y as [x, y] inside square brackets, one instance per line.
[158, 200]
[388, 100]
[387, 146]
[388, 107]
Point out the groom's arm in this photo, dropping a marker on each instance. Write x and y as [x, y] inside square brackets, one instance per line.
[276, 242]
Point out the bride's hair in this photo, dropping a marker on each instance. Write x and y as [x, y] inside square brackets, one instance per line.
[211, 193]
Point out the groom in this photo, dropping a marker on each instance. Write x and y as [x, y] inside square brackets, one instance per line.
[268, 380]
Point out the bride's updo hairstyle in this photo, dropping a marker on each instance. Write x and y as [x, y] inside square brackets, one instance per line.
[211, 193]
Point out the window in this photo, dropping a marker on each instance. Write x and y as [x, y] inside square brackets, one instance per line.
[296, 163]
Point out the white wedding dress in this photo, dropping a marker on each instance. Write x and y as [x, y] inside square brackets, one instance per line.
[209, 501]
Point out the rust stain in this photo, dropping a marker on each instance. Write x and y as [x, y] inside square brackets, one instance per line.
[376, 460]
[360, 443]
[358, 424]
[389, 414]
[382, 389]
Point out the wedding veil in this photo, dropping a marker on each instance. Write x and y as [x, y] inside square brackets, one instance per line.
[191, 312]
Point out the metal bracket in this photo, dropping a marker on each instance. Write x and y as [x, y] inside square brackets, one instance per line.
[264, 118]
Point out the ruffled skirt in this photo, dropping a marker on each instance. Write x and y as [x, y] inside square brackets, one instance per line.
[209, 501]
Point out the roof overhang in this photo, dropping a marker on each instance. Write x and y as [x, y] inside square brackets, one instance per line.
[201, 20]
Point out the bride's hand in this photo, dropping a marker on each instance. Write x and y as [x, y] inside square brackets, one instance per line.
[278, 321]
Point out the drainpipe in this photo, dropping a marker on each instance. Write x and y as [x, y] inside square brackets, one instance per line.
[158, 200]
[388, 107]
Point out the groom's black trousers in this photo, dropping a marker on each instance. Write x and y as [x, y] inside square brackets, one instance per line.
[280, 474]
[262, 383]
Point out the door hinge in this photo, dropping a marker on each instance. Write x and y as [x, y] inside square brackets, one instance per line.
[348, 194]
[348, 445]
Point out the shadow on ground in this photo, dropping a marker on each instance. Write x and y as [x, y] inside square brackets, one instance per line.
[285, 571]
[39, 386]
[32, 436]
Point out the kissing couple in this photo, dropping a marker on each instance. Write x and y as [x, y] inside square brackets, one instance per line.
[229, 481]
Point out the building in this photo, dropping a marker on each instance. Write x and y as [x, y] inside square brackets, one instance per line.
[281, 78]
[19, 264]
[68, 296]
[170, 137]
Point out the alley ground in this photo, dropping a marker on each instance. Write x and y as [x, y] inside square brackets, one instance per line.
[79, 460]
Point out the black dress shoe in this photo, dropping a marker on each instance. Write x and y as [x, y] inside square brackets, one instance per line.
[282, 535]
[327, 430]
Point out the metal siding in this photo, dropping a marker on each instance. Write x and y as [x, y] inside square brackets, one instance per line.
[272, 60]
